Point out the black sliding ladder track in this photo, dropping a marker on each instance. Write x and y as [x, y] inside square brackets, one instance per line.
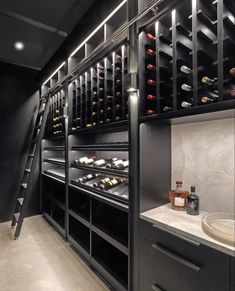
[28, 180]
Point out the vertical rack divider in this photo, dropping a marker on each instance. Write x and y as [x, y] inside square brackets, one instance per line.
[157, 64]
[83, 103]
[122, 80]
[80, 101]
[141, 70]
[105, 84]
[92, 94]
[220, 48]
[194, 52]
[76, 106]
[98, 90]
[174, 61]
[87, 99]
[113, 78]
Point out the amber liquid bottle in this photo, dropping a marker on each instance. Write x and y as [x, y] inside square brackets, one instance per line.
[178, 197]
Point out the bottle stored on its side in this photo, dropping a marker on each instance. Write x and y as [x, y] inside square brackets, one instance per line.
[151, 97]
[207, 100]
[150, 52]
[232, 72]
[185, 69]
[150, 111]
[122, 166]
[151, 67]
[88, 177]
[150, 37]
[100, 182]
[151, 82]
[209, 82]
[186, 104]
[112, 183]
[186, 87]
[100, 163]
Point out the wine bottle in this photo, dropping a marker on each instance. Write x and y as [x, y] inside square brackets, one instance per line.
[110, 184]
[206, 100]
[150, 52]
[117, 106]
[186, 87]
[111, 162]
[150, 37]
[97, 184]
[209, 82]
[109, 97]
[150, 111]
[108, 120]
[100, 163]
[232, 93]
[151, 82]
[122, 166]
[167, 108]
[151, 67]
[118, 81]
[185, 69]
[81, 160]
[118, 57]
[151, 97]
[88, 178]
[232, 72]
[89, 161]
[186, 104]
[118, 94]
[117, 118]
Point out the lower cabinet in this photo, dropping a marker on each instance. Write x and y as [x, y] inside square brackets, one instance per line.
[172, 264]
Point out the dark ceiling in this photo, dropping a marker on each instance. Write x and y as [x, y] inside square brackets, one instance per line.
[42, 25]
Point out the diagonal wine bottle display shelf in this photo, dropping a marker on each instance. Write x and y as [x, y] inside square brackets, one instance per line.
[186, 73]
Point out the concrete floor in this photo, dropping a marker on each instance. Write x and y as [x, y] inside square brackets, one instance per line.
[41, 260]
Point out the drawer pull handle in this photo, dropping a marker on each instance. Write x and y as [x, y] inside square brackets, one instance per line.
[176, 258]
[156, 288]
[197, 244]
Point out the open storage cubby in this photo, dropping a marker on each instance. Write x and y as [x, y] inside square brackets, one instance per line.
[80, 233]
[105, 148]
[183, 67]
[102, 251]
[97, 96]
[110, 220]
[79, 203]
[58, 215]
[76, 58]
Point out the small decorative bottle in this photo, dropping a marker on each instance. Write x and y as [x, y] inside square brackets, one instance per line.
[178, 197]
[192, 207]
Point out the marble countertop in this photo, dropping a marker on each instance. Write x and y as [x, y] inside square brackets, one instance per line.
[179, 222]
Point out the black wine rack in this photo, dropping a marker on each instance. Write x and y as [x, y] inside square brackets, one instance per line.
[98, 95]
[55, 120]
[186, 57]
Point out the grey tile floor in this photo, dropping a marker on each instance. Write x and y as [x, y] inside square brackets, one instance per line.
[41, 260]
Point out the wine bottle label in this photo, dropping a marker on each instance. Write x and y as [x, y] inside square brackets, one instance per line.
[83, 159]
[185, 69]
[88, 161]
[179, 201]
[100, 162]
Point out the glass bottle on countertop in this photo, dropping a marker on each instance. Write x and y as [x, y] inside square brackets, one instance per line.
[192, 207]
[178, 197]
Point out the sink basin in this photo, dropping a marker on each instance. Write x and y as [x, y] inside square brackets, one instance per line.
[220, 226]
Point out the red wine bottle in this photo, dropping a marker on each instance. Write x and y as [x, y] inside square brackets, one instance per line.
[150, 37]
[150, 111]
[150, 52]
[151, 67]
[151, 82]
[232, 72]
[151, 97]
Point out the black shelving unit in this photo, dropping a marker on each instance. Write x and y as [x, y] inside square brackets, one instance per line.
[178, 44]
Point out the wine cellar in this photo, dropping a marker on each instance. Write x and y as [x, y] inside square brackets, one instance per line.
[133, 108]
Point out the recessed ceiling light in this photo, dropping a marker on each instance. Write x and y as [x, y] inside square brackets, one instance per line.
[19, 45]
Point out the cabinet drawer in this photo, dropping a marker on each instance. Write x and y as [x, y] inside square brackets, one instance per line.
[208, 259]
[170, 272]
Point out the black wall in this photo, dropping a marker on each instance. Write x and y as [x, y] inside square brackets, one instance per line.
[17, 85]
[98, 11]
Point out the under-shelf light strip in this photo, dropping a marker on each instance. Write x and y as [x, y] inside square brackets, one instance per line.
[54, 73]
[98, 27]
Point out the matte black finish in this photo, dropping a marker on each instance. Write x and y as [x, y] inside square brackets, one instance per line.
[17, 104]
[41, 25]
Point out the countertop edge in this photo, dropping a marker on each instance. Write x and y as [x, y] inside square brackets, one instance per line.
[189, 235]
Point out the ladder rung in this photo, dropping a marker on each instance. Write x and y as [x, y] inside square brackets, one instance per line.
[24, 185]
[30, 156]
[37, 126]
[28, 170]
[21, 201]
[17, 216]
